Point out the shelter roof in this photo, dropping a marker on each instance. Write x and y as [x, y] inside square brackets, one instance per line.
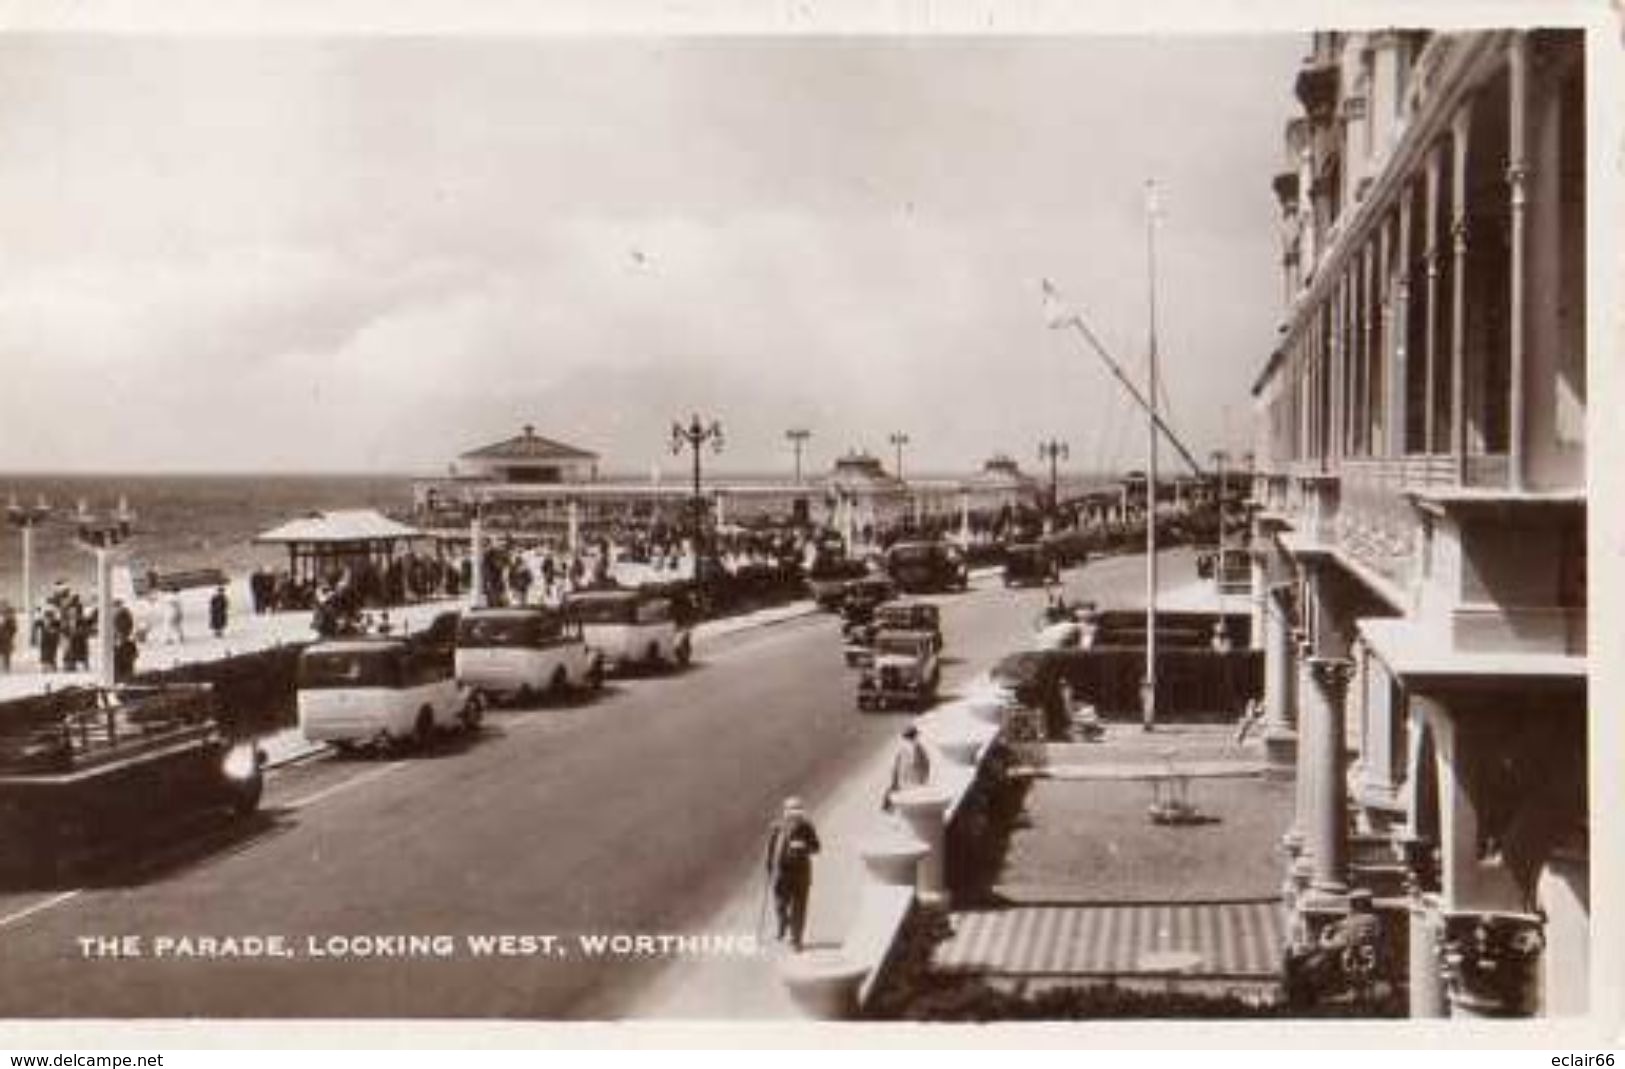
[340, 525]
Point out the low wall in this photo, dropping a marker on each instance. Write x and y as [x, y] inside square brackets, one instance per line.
[1194, 686]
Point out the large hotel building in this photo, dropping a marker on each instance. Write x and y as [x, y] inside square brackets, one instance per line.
[1420, 533]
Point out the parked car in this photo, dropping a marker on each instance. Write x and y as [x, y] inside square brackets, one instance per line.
[631, 628]
[84, 769]
[1030, 564]
[901, 615]
[904, 670]
[927, 567]
[382, 692]
[525, 652]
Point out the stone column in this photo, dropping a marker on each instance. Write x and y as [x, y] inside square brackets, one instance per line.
[1425, 968]
[1400, 321]
[1517, 180]
[1460, 124]
[1329, 830]
[1260, 597]
[1431, 331]
[1280, 679]
[1298, 842]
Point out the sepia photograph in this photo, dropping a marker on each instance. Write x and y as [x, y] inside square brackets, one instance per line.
[946, 521]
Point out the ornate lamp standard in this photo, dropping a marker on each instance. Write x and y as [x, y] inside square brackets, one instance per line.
[798, 439]
[25, 518]
[692, 437]
[1053, 451]
[102, 535]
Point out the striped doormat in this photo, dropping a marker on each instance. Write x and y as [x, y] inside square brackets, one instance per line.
[1229, 939]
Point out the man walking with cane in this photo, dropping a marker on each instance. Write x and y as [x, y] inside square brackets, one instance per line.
[790, 849]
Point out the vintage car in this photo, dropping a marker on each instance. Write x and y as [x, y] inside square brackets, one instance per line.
[903, 671]
[830, 577]
[525, 652]
[862, 598]
[85, 770]
[382, 692]
[1030, 564]
[926, 567]
[630, 628]
[901, 615]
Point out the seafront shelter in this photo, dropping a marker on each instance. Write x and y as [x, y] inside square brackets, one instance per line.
[324, 545]
[1420, 511]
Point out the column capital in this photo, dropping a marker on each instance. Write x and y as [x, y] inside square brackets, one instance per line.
[1489, 959]
[1333, 673]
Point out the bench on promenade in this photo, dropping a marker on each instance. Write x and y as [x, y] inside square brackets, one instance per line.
[185, 579]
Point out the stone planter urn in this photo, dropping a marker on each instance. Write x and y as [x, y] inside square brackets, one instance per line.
[824, 984]
[986, 707]
[924, 811]
[894, 860]
[960, 748]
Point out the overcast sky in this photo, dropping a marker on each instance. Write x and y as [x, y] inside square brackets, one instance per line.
[369, 255]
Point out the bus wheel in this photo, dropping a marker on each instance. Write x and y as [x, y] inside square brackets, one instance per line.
[423, 727]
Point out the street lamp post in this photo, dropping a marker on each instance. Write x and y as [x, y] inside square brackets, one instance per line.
[898, 440]
[692, 437]
[1053, 451]
[798, 439]
[25, 518]
[102, 535]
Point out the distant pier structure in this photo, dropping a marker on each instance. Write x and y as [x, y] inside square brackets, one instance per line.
[536, 486]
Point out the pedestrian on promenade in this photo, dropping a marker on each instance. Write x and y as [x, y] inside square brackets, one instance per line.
[219, 610]
[910, 766]
[174, 618]
[790, 849]
[50, 637]
[78, 633]
[8, 636]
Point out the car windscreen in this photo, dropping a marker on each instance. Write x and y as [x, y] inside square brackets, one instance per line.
[600, 610]
[507, 630]
[319, 669]
[897, 645]
[913, 554]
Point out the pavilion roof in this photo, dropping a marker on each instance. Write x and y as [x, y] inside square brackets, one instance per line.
[528, 446]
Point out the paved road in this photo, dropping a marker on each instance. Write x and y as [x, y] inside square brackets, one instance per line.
[635, 813]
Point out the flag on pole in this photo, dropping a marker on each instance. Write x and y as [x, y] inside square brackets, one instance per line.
[1055, 313]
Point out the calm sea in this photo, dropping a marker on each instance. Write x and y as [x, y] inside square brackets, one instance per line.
[186, 521]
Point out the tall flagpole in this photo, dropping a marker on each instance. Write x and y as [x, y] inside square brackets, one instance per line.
[1148, 692]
